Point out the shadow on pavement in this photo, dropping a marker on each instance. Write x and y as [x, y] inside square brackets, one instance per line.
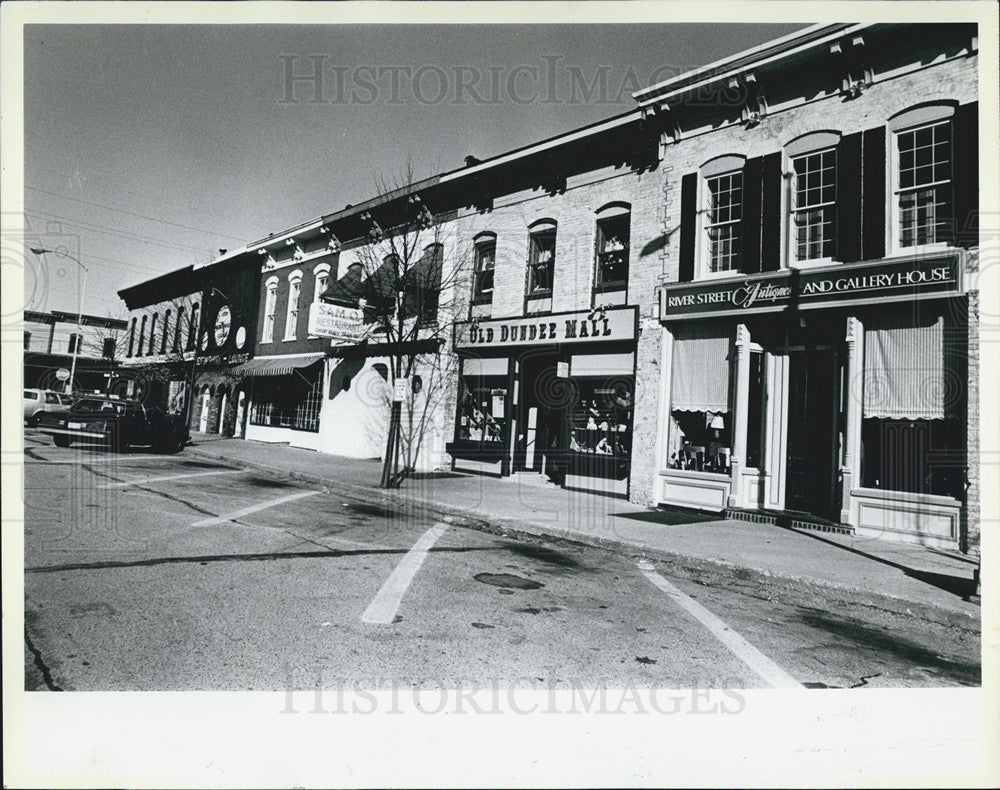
[668, 515]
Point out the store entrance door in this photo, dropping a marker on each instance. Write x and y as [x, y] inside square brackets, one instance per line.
[539, 413]
[812, 426]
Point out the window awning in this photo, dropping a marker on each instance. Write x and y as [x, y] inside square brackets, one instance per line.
[277, 366]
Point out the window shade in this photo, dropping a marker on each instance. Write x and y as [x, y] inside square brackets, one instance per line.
[700, 370]
[905, 367]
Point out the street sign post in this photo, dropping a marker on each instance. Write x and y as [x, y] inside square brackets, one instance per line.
[62, 374]
[399, 390]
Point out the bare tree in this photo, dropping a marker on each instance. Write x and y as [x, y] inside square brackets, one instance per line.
[409, 283]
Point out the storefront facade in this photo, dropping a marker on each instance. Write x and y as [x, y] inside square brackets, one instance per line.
[819, 314]
[551, 395]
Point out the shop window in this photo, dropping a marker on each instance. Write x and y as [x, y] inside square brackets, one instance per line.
[485, 263]
[288, 401]
[700, 434]
[755, 410]
[541, 262]
[723, 221]
[292, 312]
[814, 205]
[612, 253]
[483, 408]
[600, 429]
[913, 431]
[193, 327]
[270, 305]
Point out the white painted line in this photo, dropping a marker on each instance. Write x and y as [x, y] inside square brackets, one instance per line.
[764, 667]
[115, 460]
[383, 607]
[144, 480]
[208, 522]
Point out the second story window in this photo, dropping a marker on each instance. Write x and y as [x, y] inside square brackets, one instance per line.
[151, 349]
[193, 327]
[270, 305]
[142, 337]
[723, 220]
[541, 262]
[166, 331]
[131, 337]
[485, 263]
[292, 315]
[177, 329]
[612, 253]
[924, 184]
[814, 205]
[322, 275]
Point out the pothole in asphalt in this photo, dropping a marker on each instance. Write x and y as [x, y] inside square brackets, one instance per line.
[508, 580]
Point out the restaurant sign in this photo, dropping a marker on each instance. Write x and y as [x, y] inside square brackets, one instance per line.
[846, 284]
[336, 321]
[600, 325]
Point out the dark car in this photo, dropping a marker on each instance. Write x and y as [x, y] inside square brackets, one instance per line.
[119, 423]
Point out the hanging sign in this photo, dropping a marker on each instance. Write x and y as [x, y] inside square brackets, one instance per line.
[400, 388]
[336, 321]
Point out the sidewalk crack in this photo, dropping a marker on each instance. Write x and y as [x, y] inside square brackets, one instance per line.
[40, 664]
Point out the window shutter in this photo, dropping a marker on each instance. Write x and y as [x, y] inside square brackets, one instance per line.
[751, 235]
[966, 175]
[849, 198]
[689, 198]
[873, 198]
[770, 242]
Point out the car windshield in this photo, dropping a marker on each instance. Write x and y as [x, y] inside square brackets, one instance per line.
[96, 405]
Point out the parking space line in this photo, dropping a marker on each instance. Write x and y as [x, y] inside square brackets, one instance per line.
[383, 607]
[220, 519]
[765, 668]
[93, 459]
[144, 480]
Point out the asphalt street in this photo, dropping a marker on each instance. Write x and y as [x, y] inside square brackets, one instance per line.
[166, 572]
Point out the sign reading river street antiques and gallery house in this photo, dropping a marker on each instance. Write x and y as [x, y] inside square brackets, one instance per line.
[586, 326]
[902, 280]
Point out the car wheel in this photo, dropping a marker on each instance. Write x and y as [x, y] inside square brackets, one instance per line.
[62, 441]
[115, 443]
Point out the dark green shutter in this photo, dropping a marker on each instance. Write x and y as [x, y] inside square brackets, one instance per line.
[689, 216]
[770, 233]
[848, 230]
[750, 226]
[966, 176]
[873, 197]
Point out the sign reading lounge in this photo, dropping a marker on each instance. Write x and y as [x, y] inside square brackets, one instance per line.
[939, 275]
[585, 326]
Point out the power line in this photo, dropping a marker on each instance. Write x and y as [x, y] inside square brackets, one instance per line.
[134, 214]
[84, 225]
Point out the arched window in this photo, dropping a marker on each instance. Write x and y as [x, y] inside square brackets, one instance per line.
[131, 337]
[270, 305]
[142, 337]
[322, 279]
[483, 266]
[177, 328]
[722, 214]
[541, 257]
[193, 327]
[292, 314]
[612, 248]
[166, 331]
[812, 159]
[152, 334]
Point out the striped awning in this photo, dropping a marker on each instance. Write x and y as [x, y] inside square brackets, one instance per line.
[277, 366]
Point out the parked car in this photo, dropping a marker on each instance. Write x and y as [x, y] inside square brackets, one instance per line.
[118, 423]
[38, 402]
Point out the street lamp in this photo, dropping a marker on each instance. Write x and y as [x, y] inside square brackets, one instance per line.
[79, 314]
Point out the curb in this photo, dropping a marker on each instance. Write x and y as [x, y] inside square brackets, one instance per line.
[485, 521]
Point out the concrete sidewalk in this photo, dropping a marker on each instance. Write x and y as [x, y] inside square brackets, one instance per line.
[863, 571]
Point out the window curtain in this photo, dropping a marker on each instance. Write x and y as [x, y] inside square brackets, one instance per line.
[907, 360]
[700, 369]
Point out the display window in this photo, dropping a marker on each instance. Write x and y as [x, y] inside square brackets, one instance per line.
[601, 419]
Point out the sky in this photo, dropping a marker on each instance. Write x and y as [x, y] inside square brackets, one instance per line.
[151, 147]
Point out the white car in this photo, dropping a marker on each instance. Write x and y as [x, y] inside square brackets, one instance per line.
[37, 402]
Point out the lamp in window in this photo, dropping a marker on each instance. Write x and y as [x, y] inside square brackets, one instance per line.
[717, 425]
